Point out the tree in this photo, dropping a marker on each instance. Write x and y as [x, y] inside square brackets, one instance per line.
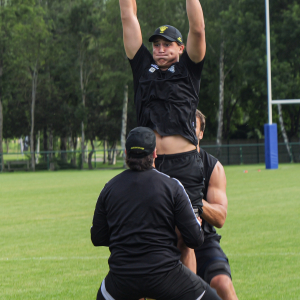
[7, 22]
[31, 34]
[84, 27]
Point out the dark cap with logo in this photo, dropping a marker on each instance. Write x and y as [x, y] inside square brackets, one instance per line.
[169, 32]
[141, 141]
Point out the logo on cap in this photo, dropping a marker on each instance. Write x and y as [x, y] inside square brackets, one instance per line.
[139, 148]
[163, 29]
[179, 39]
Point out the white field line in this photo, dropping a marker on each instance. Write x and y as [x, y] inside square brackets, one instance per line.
[106, 257]
[264, 254]
[54, 258]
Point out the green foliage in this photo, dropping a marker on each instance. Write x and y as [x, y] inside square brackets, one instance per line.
[69, 40]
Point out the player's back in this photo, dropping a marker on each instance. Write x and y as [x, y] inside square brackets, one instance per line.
[140, 216]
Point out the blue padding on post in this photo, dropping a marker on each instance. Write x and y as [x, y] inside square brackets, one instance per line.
[271, 146]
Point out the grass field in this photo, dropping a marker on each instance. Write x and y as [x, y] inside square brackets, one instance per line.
[46, 252]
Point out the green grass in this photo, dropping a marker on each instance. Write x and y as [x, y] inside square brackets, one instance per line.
[46, 252]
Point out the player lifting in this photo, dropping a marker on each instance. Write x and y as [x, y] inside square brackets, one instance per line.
[212, 263]
[166, 88]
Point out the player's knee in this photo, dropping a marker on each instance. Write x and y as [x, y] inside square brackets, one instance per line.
[215, 269]
[222, 283]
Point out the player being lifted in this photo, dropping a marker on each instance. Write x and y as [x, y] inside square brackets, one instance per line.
[166, 88]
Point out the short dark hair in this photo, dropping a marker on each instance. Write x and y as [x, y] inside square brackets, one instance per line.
[140, 164]
[202, 118]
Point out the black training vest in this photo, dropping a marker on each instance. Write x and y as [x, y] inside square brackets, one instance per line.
[167, 101]
[209, 163]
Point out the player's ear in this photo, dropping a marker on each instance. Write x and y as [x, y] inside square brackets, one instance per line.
[200, 135]
[181, 48]
[154, 153]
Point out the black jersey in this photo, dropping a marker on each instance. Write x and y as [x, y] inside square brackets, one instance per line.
[166, 101]
[209, 163]
[136, 214]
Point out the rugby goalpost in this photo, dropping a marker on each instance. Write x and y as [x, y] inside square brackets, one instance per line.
[270, 129]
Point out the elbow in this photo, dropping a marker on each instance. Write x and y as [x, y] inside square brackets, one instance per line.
[221, 221]
[197, 242]
[124, 17]
[98, 239]
[94, 240]
[97, 243]
[127, 17]
[200, 240]
[199, 30]
[199, 33]
[219, 224]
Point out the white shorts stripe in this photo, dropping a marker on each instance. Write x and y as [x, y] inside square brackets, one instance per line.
[105, 293]
[200, 297]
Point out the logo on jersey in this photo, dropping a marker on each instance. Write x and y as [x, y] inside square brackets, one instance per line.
[172, 69]
[179, 39]
[153, 68]
[163, 29]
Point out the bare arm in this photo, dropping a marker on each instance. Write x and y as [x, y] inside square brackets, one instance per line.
[196, 45]
[215, 208]
[132, 35]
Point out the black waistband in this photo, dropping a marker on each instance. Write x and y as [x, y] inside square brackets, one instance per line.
[176, 155]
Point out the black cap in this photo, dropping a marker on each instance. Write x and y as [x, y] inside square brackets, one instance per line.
[169, 32]
[141, 141]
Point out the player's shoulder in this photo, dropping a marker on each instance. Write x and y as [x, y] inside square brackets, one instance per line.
[167, 179]
[120, 178]
[185, 59]
[143, 54]
[207, 156]
[218, 172]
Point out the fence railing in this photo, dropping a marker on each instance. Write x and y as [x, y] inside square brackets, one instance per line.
[235, 154]
[58, 159]
[230, 154]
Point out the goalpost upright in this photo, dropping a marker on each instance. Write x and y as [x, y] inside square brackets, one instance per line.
[270, 129]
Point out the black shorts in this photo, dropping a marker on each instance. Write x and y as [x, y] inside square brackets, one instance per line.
[187, 167]
[177, 284]
[211, 260]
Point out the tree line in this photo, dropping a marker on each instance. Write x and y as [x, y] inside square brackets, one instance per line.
[64, 73]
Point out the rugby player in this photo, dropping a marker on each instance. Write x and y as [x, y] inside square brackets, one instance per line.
[166, 88]
[135, 216]
[212, 263]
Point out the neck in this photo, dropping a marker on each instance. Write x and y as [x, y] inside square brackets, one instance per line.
[164, 68]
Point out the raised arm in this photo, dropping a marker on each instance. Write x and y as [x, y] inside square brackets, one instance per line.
[215, 208]
[132, 35]
[196, 45]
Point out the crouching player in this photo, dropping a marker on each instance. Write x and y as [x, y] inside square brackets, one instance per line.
[135, 216]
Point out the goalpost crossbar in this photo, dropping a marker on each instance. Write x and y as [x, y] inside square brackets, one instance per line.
[286, 101]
